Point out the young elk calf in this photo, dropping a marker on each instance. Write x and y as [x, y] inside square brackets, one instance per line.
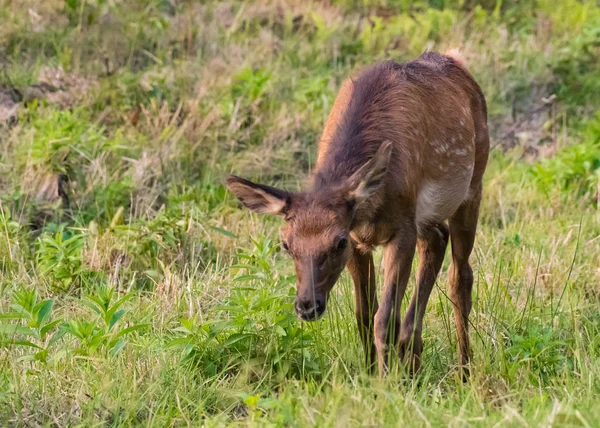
[404, 149]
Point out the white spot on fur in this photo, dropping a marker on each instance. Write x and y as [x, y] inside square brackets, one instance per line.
[440, 147]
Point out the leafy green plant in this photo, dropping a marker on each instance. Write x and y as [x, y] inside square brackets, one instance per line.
[105, 332]
[540, 351]
[576, 66]
[575, 167]
[63, 140]
[250, 84]
[60, 257]
[152, 242]
[35, 329]
[256, 323]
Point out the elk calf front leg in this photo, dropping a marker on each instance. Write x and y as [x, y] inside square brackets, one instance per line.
[398, 256]
[431, 246]
[362, 270]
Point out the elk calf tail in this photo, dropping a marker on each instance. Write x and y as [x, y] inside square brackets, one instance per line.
[458, 57]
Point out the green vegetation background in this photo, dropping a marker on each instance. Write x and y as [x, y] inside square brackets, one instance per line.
[133, 291]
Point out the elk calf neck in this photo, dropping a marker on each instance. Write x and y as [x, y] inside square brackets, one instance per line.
[400, 164]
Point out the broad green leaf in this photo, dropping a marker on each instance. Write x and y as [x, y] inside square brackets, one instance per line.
[131, 329]
[18, 342]
[97, 340]
[102, 304]
[93, 306]
[188, 349]
[220, 326]
[20, 309]
[152, 273]
[12, 316]
[224, 232]
[188, 324]
[236, 337]
[75, 241]
[112, 310]
[117, 348]
[45, 329]
[115, 318]
[183, 341]
[43, 311]
[57, 336]
[41, 356]
[117, 218]
[16, 329]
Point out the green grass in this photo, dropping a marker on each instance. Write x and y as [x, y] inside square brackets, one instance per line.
[135, 291]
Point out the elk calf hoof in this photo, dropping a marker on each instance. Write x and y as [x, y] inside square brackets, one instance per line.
[464, 373]
[410, 349]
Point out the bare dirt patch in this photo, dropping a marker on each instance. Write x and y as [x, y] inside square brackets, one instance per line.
[54, 85]
[531, 124]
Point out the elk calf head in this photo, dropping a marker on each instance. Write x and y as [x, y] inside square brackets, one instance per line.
[318, 224]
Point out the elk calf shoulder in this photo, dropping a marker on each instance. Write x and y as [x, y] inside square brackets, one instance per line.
[403, 152]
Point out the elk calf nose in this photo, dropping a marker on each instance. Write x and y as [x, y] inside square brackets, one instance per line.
[310, 309]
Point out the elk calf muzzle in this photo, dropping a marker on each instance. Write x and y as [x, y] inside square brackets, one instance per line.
[310, 309]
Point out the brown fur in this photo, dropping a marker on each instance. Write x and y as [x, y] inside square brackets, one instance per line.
[403, 150]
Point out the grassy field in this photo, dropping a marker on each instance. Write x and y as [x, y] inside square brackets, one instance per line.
[134, 291]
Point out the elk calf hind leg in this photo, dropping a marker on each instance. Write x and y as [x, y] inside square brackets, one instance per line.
[463, 225]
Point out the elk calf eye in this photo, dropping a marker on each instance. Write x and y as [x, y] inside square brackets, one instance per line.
[342, 244]
[285, 246]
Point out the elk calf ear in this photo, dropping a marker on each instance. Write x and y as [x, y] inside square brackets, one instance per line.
[368, 178]
[259, 197]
